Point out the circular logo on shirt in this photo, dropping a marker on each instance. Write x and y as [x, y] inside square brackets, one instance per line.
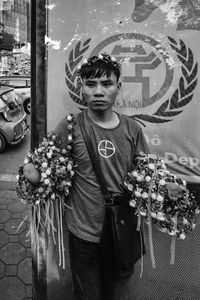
[106, 148]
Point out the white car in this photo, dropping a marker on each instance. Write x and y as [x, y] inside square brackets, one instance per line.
[21, 84]
[13, 119]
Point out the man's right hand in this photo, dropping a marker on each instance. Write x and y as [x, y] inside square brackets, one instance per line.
[31, 174]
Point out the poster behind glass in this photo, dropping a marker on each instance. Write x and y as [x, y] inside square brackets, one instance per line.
[157, 44]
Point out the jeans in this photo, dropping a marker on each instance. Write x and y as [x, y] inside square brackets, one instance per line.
[93, 277]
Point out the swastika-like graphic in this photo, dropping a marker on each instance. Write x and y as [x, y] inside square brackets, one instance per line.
[106, 148]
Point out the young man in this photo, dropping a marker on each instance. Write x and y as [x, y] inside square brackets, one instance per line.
[117, 140]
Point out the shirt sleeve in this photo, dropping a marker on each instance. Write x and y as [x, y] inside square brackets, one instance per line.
[141, 146]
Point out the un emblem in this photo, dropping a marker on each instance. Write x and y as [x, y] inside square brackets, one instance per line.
[141, 60]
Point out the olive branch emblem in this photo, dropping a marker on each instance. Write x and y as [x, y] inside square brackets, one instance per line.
[74, 85]
[183, 94]
[169, 108]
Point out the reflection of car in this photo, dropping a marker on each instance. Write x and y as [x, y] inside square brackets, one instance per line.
[13, 119]
[21, 84]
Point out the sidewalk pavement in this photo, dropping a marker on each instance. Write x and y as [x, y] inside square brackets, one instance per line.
[15, 246]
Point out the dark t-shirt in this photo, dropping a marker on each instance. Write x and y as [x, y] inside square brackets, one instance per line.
[117, 149]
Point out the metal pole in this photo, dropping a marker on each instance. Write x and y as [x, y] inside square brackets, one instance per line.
[38, 127]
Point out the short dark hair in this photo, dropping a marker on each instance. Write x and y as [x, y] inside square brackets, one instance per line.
[97, 66]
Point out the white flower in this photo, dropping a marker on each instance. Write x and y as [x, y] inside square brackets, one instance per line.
[160, 216]
[85, 61]
[69, 167]
[162, 182]
[113, 58]
[44, 165]
[72, 172]
[100, 56]
[160, 198]
[130, 187]
[134, 174]
[46, 181]
[151, 166]
[153, 196]
[49, 154]
[184, 182]
[153, 214]
[185, 221]
[132, 203]
[140, 178]
[148, 178]
[79, 67]
[53, 196]
[137, 194]
[26, 161]
[69, 118]
[48, 171]
[144, 195]
[17, 177]
[44, 175]
[37, 202]
[61, 159]
[182, 236]
[64, 151]
[143, 213]
[69, 137]
[40, 190]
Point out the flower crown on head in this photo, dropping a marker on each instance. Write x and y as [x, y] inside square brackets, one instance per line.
[102, 57]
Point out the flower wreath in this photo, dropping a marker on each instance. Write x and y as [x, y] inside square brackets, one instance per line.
[148, 185]
[53, 173]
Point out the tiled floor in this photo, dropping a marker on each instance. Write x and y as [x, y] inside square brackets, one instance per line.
[15, 251]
